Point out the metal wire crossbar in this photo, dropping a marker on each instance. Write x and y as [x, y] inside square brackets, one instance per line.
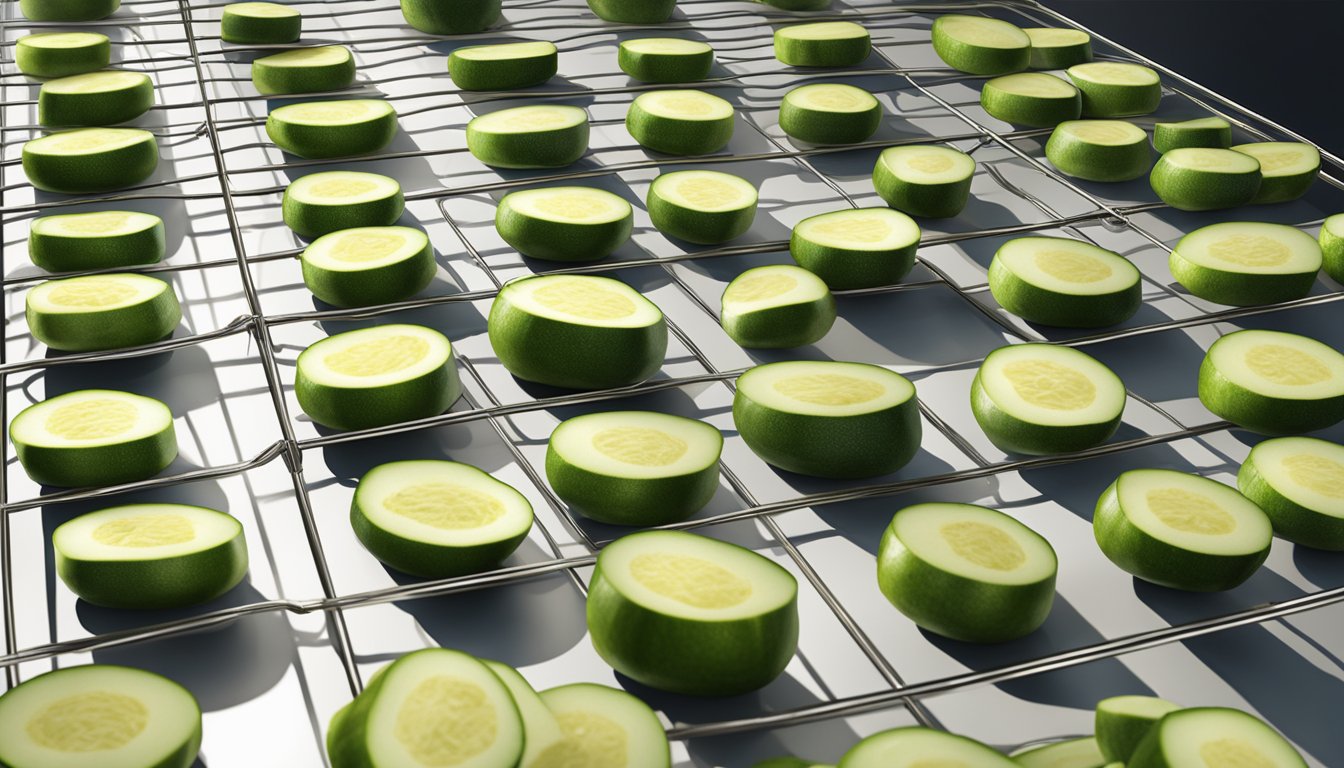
[291, 449]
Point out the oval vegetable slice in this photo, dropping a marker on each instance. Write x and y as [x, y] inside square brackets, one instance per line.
[1331, 240]
[633, 11]
[1064, 282]
[1099, 150]
[1116, 89]
[322, 129]
[461, 17]
[1058, 48]
[364, 266]
[533, 136]
[924, 180]
[323, 202]
[260, 23]
[665, 59]
[1289, 168]
[916, 747]
[504, 66]
[96, 312]
[94, 437]
[541, 730]
[681, 122]
[822, 44]
[1203, 179]
[59, 54]
[1031, 98]
[105, 97]
[564, 223]
[68, 10]
[703, 207]
[304, 70]
[603, 727]
[87, 160]
[1247, 263]
[1072, 753]
[1200, 736]
[859, 248]
[981, 45]
[97, 240]
[1123, 721]
[777, 307]
[1211, 132]
[829, 113]
[1299, 483]
[1272, 382]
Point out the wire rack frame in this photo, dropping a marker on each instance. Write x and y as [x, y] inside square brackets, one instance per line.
[291, 449]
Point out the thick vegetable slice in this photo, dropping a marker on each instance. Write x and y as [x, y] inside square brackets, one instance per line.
[83, 314]
[1099, 150]
[151, 556]
[1064, 283]
[1332, 246]
[634, 467]
[1116, 89]
[967, 572]
[90, 159]
[924, 179]
[1289, 168]
[94, 437]
[859, 248]
[1031, 98]
[665, 59]
[777, 307]
[322, 129]
[437, 519]
[368, 265]
[1272, 382]
[1181, 531]
[690, 614]
[1299, 483]
[577, 332]
[1209, 736]
[375, 376]
[1210, 132]
[1203, 179]
[504, 66]
[105, 97]
[99, 240]
[681, 122]
[704, 207]
[564, 223]
[1058, 48]
[541, 729]
[633, 11]
[1123, 721]
[1246, 263]
[1073, 753]
[981, 45]
[304, 70]
[431, 707]
[534, 136]
[823, 44]
[603, 727]
[99, 716]
[860, 420]
[260, 23]
[916, 747]
[1041, 399]
[324, 202]
[68, 10]
[60, 54]
[829, 113]
[461, 17]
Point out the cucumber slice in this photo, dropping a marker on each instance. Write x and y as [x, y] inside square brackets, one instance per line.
[680, 122]
[90, 159]
[1042, 399]
[94, 437]
[535, 136]
[1031, 98]
[460, 17]
[1073, 753]
[437, 519]
[1200, 736]
[1210, 132]
[633, 11]
[1099, 150]
[829, 113]
[1273, 383]
[323, 129]
[1064, 283]
[151, 556]
[858, 248]
[634, 467]
[690, 614]
[967, 572]
[703, 207]
[777, 307]
[665, 59]
[99, 715]
[504, 66]
[541, 729]
[324, 202]
[860, 420]
[1181, 531]
[260, 24]
[1332, 246]
[431, 707]
[1123, 721]
[1289, 168]
[564, 223]
[1299, 483]
[1202, 179]
[84, 314]
[577, 332]
[105, 97]
[368, 265]
[1116, 89]
[981, 45]
[304, 70]
[68, 10]
[1056, 48]
[823, 44]
[60, 54]
[917, 747]
[604, 727]
[98, 240]
[924, 180]
[1246, 263]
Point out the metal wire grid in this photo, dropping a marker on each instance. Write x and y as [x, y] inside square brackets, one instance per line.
[258, 324]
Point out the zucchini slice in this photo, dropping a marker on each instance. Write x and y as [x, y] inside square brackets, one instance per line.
[703, 207]
[916, 747]
[924, 180]
[822, 44]
[859, 248]
[1332, 246]
[1065, 283]
[633, 11]
[603, 727]
[1209, 132]
[324, 202]
[459, 17]
[368, 265]
[105, 97]
[1123, 721]
[1116, 89]
[95, 312]
[304, 70]
[323, 129]
[1031, 98]
[681, 122]
[1203, 179]
[61, 54]
[1058, 48]
[534, 136]
[503, 66]
[260, 23]
[68, 10]
[541, 730]
[1289, 169]
[1099, 150]
[1272, 382]
[94, 437]
[829, 113]
[1072, 753]
[665, 59]
[980, 45]
[564, 223]
[88, 160]
[1299, 483]
[70, 242]
[1199, 736]
[780, 306]
[1245, 263]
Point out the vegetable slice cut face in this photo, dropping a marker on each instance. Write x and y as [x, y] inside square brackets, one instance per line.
[96, 312]
[916, 747]
[690, 614]
[1116, 89]
[564, 223]
[533, 136]
[260, 23]
[634, 467]
[1031, 98]
[438, 518]
[1208, 736]
[1099, 150]
[823, 44]
[856, 248]
[323, 202]
[1211, 132]
[368, 265]
[1332, 246]
[503, 67]
[1181, 531]
[703, 207]
[87, 160]
[304, 70]
[541, 729]
[981, 45]
[924, 180]
[1057, 47]
[1299, 483]
[681, 122]
[1073, 753]
[338, 128]
[96, 240]
[1247, 263]
[105, 97]
[777, 307]
[94, 437]
[1272, 382]
[1202, 179]
[603, 727]
[829, 113]
[1123, 721]
[59, 54]
[665, 59]
[1289, 168]
[1064, 282]
[99, 716]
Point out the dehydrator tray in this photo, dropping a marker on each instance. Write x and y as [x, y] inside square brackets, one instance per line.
[272, 660]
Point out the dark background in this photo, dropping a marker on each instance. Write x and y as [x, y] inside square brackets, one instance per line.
[1281, 58]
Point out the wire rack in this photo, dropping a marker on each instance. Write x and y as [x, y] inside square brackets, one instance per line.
[273, 659]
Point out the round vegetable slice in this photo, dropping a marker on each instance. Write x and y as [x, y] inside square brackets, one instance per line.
[368, 265]
[105, 97]
[1200, 736]
[1181, 531]
[1299, 483]
[541, 729]
[633, 11]
[665, 59]
[704, 207]
[460, 17]
[94, 437]
[690, 614]
[859, 420]
[327, 201]
[1332, 246]
[1123, 721]
[304, 70]
[1099, 150]
[150, 556]
[1210, 132]
[90, 159]
[1072, 753]
[1116, 89]
[634, 467]
[98, 240]
[1058, 48]
[83, 314]
[924, 179]
[681, 122]
[1246, 263]
[1064, 283]
[829, 113]
[981, 45]
[68, 10]
[1042, 399]
[823, 44]
[1202, 179]
[604, 726]
[260, 23]
[1289, 168]
[534, 136]
[859, 248]
[1031, 98]
[375, 376]
[99, 716]
[1272, 382]
[916, 747]
[777, 307]
[323, 129]
[967, 572]
[437, 519]
[503, 66]
[60, 54]
[564, 223]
